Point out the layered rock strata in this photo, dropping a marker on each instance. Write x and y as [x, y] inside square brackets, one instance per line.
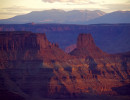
[31, 66]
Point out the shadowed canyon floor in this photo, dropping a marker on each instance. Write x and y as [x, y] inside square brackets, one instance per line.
[32, 67]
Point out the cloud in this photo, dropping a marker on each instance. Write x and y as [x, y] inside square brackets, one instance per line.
[19, 9]
[12, 11]
[113, 7]
[72, 1]
[9, 13]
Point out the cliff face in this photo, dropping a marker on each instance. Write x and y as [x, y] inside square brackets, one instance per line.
[33, 67]
[21, 45]
[85, 41]
[112, 38]
[26, 61]
[28, 46]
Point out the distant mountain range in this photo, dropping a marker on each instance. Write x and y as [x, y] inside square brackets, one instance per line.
[111, 18]
[70, 17]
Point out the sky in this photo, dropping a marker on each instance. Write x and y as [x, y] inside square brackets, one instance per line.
[11, 8]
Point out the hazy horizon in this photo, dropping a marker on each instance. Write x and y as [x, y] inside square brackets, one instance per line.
[11, 8]
[62, 10]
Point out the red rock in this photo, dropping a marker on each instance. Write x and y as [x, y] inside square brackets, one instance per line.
[36, 66]
[70, 48]
[87, 47]
[85, 41]
[29, 46]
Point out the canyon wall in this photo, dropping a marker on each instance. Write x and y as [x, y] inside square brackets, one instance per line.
[33, 67]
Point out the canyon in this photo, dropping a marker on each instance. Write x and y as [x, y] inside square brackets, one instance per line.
[34, 68]
[111, 38]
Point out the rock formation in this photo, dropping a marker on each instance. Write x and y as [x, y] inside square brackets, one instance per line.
[33, 67]
[112, 38]
[28, 46]
[70, 48]
[87, 47]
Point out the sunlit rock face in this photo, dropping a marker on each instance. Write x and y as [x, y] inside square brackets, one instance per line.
[94, 72]
[21, 45]
[26, 63]
[28, 46]
[102, 71]
[31, 66]
[85, 41]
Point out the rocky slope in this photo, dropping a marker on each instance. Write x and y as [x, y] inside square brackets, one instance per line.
[34, 68]
[70, 48]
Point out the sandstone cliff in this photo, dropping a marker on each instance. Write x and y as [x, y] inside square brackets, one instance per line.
[28, 46]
